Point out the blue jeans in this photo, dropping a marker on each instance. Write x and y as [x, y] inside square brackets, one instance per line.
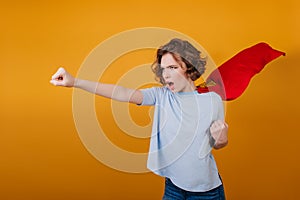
[172, 192]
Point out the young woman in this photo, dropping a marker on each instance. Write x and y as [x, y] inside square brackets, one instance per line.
[187, 124]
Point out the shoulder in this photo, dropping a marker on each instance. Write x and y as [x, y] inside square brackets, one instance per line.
[156, 90]
[210, 95]
[154, 95]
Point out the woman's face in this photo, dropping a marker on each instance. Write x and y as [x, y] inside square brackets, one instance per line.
[174, 74]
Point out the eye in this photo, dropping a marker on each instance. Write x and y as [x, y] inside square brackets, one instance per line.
[172, 67]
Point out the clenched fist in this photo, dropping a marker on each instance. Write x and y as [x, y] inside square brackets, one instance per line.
[218, 131]
[62, 78]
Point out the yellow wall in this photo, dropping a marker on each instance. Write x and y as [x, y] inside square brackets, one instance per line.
[41, 154]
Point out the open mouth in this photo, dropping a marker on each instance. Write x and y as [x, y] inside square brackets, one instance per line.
[170, 83]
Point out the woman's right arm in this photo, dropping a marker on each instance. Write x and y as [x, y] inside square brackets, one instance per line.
[119, 93]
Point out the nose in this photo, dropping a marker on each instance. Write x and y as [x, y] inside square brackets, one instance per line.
[166, 74]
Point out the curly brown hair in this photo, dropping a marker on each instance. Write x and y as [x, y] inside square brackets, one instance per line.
[182, 51]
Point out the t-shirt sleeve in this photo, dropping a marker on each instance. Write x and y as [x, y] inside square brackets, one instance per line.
[221, 110]
[150, 96]
[219, 107]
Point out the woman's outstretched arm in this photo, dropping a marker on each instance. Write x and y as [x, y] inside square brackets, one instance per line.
[119, 93]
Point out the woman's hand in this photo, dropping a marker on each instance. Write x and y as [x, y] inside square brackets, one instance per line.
[62, 78]
[218, 131]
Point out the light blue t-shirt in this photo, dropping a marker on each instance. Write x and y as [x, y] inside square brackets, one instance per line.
[180, 147]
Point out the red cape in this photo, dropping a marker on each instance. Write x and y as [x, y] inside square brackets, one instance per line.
[232, 77]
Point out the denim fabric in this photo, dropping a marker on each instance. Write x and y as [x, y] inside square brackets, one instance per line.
[172, 192]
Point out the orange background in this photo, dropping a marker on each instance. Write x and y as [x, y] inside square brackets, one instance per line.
[41, 154]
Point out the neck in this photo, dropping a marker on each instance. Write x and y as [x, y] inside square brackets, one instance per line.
[191, 86]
